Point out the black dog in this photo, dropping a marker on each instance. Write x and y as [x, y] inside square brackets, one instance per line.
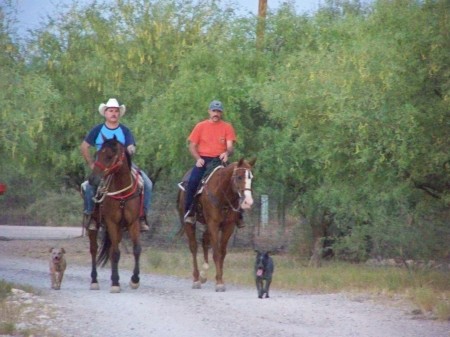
[263, 272]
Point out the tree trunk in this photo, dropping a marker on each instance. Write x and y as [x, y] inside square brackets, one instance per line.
[261, 26]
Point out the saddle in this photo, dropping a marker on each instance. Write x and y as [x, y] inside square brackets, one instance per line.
[208, 174]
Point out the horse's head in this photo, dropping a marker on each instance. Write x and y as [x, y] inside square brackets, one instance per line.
[109, 159]
[242, 182]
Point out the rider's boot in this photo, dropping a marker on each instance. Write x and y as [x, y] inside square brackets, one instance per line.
[143, 224]
[89, 222]
[240, 221]
[189, 216]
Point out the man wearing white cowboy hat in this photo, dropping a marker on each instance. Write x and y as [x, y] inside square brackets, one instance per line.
[112, 112]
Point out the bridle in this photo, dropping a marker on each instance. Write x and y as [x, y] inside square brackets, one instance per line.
[234, 186]
[108, 171]
[114, 167]
[235, 177]
[240, 191]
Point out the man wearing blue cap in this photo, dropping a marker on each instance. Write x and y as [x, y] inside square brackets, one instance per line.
[210, 139]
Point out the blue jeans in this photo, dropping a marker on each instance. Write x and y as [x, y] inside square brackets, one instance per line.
[90, 191]
[148, 188]
[194, 180]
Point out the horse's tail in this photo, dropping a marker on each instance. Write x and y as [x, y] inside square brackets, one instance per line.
[180, 208]
[103, 255]
[180, 232]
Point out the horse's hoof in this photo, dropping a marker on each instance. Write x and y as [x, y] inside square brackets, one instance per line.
[94, 286]
[134, 285]
[196, 285]
[220, 288]
[115, 289]
[203, 277]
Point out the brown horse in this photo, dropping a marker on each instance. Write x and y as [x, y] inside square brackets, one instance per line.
[119, 210]
[224, 194]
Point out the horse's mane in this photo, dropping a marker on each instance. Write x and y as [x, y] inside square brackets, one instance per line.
[112, 143]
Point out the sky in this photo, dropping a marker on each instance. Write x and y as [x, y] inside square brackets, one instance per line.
[31, 12]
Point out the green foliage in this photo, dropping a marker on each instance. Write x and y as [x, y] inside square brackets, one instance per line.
[57, 209]
[346, 109]
[352, 110]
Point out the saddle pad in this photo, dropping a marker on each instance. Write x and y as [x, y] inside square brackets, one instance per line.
[137, 175]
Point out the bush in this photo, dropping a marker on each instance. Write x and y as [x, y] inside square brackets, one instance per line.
[57, 209]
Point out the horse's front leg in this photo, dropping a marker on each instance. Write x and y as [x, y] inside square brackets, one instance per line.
[93, 247]
[137, 249]
[227, 231]
[190, 233]
[217, 255]
[115, 258]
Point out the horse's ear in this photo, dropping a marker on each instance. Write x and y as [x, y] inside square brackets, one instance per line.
[114, 137]
[252, 162]
[240, 162]
[104, 138]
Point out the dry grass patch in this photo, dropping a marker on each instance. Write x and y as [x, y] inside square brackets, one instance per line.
[428, 290]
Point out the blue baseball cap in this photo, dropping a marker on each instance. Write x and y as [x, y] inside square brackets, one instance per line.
[216, 105]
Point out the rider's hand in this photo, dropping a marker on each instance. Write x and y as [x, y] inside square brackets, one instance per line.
[200, 162]
[131, 149]
[224, 157]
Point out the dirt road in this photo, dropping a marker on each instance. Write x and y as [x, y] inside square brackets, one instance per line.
[167, 306]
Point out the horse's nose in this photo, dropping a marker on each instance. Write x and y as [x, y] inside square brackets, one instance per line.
[248, 201]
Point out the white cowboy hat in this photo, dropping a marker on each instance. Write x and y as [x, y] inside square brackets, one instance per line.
[112, 103]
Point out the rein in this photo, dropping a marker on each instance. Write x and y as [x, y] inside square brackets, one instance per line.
[102, 190]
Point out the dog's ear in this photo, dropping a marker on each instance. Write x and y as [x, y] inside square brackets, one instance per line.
[50, 250]
[63, 251]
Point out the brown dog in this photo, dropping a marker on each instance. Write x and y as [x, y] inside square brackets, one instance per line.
[57, 267]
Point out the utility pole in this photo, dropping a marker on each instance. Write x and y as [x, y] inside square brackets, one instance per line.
[261, 26]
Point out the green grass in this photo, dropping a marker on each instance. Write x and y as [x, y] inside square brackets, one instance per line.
[9, 313]
[427, 289]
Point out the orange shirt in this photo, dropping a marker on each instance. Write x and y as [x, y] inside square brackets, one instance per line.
[211, 138]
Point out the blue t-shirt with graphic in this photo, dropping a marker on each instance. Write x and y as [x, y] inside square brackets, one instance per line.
[98, 132]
